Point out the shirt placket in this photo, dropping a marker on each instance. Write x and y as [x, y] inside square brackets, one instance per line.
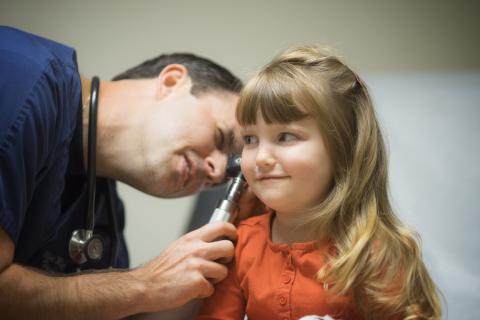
[287, 278]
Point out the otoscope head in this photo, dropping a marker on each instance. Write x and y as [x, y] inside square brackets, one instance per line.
[225, 210]
[233, 166]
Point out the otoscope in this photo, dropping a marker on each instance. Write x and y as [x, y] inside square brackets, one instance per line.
[225, 210]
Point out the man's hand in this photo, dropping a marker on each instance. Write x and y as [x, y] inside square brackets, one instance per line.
[187, 268]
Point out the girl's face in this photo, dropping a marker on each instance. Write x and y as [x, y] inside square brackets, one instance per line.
[287, 165]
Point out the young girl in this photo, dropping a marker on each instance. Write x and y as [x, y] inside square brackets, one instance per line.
[331, 246]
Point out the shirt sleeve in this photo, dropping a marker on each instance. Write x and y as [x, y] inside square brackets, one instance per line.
[227, 302]
[25, 144]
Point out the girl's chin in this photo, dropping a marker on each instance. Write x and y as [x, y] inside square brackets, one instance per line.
[275, 205]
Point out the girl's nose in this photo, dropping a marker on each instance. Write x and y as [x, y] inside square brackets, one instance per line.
[265, 160]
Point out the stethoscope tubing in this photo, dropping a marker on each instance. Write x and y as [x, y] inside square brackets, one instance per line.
[92, 153]
[81, 237]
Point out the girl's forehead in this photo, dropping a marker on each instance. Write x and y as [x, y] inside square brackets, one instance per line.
[260, 121]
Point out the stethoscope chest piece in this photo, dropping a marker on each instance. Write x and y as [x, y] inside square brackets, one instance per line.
[85, 246]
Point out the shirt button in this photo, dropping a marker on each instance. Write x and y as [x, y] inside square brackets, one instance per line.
[290, 264]
[282, 300]
[286, 278]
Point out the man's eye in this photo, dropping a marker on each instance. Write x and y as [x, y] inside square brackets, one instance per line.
[286, 136]
[249, 139]
[220, 139]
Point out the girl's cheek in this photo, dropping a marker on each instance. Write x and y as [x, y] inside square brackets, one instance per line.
[247, 164]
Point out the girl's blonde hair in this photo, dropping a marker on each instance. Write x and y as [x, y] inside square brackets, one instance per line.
[377, 260]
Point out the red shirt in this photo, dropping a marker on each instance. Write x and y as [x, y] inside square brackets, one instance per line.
[274, 281]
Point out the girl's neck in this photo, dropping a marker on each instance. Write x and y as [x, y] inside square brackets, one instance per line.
[291, 229]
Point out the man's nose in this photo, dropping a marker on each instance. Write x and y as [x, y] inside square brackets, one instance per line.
[215, 167]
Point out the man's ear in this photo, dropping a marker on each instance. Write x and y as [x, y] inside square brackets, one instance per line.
[170, 78]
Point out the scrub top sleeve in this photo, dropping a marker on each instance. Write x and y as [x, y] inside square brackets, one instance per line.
[24, 151]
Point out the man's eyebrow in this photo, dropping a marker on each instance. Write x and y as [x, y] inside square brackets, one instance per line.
[226, 140]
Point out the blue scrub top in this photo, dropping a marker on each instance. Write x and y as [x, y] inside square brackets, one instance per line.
[42, 177]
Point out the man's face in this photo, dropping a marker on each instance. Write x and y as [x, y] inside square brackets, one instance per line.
[186, 142]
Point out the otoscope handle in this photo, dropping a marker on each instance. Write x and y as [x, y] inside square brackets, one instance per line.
[224, 212]
[226, 209]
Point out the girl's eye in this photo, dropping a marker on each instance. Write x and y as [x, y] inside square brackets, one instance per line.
[248, 139]
[286, 136]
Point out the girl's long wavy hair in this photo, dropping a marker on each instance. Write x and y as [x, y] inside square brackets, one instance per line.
[378, 260]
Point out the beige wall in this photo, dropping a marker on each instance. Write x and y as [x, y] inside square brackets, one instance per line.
[376, 37]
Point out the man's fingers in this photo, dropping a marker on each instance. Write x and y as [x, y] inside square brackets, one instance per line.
[204, 288]
[206, 274]
[221, 249]
[215, 230]
[214, 272]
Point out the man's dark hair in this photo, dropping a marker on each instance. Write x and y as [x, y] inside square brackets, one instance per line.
[206, 75]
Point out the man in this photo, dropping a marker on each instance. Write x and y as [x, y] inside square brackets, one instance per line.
[167, 134]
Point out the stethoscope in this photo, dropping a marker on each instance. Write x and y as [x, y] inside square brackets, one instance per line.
[85, 245]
